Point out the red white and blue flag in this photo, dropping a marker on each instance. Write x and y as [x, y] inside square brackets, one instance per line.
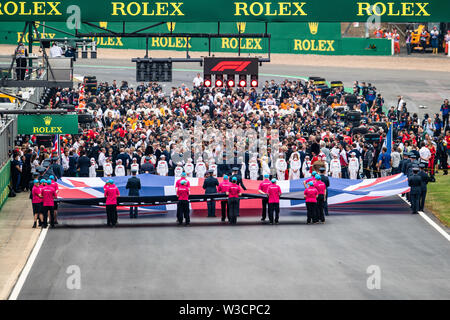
[341, 191]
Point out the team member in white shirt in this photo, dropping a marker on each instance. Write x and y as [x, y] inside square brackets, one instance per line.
[108, 168]
[295, 165]
[178, 170]
[93, 168]
[120, 169]
[335, 166]
[281, 167]
[162, 169]
[353, 166]
[306, 167]
[189, 168]
[213, 167]
[200, 168]
[253, 168]
[134, 165]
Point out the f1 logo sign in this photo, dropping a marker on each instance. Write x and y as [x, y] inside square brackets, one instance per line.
[237, 66]
[230, 66]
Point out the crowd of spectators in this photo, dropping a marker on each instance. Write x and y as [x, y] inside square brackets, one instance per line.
[135, 127]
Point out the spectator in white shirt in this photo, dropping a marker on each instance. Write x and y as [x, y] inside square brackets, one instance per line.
[55, 51]
[198, 80]
[424, 153]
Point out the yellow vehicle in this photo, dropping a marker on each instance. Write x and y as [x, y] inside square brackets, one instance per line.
[4, 98]
[415, 38]
[7, 102]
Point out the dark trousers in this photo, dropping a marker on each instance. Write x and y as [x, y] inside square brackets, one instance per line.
[274, 207]
[133, 212]
[311, 209]
[111, 214]
[344, 172]
[183, 211]
[395, 170]
[423, 195]
[211, 208]
[325, 206]
[265, 203]
[21, 65]
[225, 210]
[46, 210]
[445, 122]
[320, 204]
[37, 208]
[414, 201]
[233, 209]
[367, 174]
[444, 163]
[408, 48]
[376, 173]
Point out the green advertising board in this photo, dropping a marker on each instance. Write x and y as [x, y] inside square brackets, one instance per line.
[286, 37]
[47, 124]
[5, 178]
[225, 10]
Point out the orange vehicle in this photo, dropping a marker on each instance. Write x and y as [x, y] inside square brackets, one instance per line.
[415, 38]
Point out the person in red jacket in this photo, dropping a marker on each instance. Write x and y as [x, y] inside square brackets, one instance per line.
[183, 203]
[111, 194]
[48, 195]
[223, 188]
[263, 190]
[274, 193]
[311, 194]
[321, 189]
[234, 191]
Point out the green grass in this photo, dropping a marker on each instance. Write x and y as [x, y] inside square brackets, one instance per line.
[438, 198]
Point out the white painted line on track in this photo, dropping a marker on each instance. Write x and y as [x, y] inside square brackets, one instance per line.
[26, 270]
[430, 221]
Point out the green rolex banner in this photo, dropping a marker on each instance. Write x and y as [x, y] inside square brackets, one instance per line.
[225, 10]
[48, 124]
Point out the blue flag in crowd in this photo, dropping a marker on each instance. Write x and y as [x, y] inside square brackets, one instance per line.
[388, 141]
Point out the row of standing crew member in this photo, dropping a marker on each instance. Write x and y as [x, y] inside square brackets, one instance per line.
[43, 193]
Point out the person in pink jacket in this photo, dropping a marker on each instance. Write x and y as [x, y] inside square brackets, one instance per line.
[274, 193]
[48, 195]
[311, 194]
[36, 201]
[322, 189]
[111, 194]
[183, 203]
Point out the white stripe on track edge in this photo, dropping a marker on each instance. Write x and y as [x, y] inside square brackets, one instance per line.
[430, 221]
[26, 270]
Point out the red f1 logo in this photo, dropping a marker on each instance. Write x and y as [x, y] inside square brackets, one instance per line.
[236, 66]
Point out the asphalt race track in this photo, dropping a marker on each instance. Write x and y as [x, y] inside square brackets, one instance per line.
[152, 258]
